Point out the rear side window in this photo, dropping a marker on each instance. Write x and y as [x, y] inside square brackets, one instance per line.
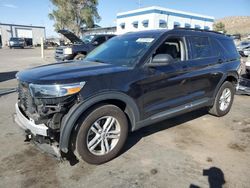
[200, 47]
[229, 48]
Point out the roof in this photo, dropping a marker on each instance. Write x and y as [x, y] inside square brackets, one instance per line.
[161, 10]
[180, 31]
[17, 25]
[156, 32]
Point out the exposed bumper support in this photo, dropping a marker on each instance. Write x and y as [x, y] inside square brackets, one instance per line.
[26, 124]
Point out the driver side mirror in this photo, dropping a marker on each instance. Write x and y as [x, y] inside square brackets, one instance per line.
[161, 60]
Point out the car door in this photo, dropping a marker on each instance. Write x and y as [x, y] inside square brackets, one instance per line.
[165, 86]
[204, 68]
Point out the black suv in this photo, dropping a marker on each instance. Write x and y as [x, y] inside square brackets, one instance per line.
[80, 47]
[129, 82]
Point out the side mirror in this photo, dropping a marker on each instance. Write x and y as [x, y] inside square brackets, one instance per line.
[161, 60]
[95, 43]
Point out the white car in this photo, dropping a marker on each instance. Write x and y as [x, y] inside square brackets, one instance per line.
[248, 66]
[246, 51]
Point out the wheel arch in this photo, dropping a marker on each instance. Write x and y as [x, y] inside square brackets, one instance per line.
[231, 77]
[121, 100]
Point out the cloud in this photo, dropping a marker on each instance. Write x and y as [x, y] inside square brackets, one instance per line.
[9, 6]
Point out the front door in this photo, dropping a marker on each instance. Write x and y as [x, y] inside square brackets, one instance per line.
[165, 86]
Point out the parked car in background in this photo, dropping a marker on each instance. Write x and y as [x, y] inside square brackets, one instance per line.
[236, 36]
[129, 82]
[243, 48]
[15, 42]
[248, 66]
[80, 47]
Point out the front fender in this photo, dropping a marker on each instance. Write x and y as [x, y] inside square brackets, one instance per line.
[75, 112]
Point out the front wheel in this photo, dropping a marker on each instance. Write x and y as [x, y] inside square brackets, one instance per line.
[101, 135]
[223, 100]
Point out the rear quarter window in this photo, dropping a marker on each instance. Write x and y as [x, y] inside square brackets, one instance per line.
[229, 48]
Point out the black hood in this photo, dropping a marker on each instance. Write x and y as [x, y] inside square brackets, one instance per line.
[70, 72]
[71, 36]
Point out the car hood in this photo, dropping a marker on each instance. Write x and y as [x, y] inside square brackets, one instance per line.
[71, 36]
[68, 72]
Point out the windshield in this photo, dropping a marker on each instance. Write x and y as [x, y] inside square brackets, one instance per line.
[88, 38]
[245, 43]
[121, 51]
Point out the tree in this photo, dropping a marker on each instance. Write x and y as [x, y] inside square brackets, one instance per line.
[74, 14]
[219, 26]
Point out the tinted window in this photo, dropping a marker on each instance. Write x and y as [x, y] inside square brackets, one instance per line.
[229, 47]
[128, 50]
[201, 47]
[100, 40]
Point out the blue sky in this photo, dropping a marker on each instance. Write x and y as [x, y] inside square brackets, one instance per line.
[35, 12]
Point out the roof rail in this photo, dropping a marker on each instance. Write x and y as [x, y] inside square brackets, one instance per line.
[195, 29]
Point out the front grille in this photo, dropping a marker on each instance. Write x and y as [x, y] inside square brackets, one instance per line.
[59, 51]
[25, 98]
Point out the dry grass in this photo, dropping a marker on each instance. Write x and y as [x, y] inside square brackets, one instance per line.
[236, 24]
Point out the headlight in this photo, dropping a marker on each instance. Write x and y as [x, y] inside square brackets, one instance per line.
[67, 51]
[52, 91]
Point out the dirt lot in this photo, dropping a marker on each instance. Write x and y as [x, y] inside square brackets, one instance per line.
[193, 150]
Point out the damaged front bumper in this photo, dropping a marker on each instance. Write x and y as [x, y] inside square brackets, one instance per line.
[28, 124]
[37, 133]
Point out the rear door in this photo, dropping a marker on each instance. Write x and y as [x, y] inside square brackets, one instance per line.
[204, 67]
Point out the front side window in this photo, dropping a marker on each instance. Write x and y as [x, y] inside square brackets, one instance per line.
[121, 50]
[174, 47]
[201, 47]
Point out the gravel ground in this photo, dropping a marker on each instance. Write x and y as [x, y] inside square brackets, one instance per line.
[192, 150]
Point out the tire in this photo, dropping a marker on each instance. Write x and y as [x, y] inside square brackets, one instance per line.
[79, 57]
[217, 108]
[99, 154]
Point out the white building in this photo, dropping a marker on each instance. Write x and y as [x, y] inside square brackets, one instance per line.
[158, 17]
[22, 31]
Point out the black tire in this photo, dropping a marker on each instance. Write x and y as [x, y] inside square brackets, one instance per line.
[79, 57]
[215, 110]
[81, 149]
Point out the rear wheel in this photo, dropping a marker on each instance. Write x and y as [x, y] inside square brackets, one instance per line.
[101, 135]
[223, 100]
[79, 57]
